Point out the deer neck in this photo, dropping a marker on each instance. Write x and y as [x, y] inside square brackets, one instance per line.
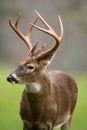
[41, 84]
[37, 94]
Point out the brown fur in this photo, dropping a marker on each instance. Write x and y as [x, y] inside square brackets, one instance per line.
[53, 104]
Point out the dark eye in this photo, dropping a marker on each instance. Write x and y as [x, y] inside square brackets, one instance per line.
[30, 67]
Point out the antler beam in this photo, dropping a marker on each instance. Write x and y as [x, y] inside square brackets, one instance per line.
[51, 32]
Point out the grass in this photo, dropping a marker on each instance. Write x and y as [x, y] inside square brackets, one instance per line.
[10, 96]
[9, 103]
[80, 118]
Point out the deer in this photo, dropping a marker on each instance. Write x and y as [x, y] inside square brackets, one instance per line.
[49, 98]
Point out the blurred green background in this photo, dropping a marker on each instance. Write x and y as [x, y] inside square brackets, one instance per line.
[70, 57]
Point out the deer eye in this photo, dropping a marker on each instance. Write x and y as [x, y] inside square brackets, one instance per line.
[29, 66]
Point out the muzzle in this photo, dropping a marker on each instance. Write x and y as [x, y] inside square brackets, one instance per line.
[12, 79]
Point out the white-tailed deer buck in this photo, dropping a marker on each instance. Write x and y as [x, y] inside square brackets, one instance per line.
[49, 98]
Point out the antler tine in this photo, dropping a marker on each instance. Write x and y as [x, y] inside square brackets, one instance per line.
[33, 49]
[26, 38]
[29, 33]
[61, 28]
[31, 27]
[16, 23]
[45, 23]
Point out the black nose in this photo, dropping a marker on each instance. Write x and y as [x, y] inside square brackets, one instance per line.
[11, 79]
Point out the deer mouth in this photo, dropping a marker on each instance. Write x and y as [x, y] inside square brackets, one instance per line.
[12, 79]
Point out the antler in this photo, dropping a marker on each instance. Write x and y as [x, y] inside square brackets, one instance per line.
[51, 32]
[25, 38]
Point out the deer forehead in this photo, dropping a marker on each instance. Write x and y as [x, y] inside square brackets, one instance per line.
[28, 61]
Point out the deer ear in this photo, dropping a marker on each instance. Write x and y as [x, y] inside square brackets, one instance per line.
[46, 60]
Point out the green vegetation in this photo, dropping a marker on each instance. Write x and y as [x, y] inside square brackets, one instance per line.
[10, 96]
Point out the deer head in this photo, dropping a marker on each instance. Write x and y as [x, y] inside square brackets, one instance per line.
[37, 59]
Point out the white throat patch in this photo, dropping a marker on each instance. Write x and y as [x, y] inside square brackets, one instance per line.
[32, 88]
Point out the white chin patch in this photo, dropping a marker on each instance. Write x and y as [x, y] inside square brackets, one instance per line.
[32, 88]
[14, 82]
